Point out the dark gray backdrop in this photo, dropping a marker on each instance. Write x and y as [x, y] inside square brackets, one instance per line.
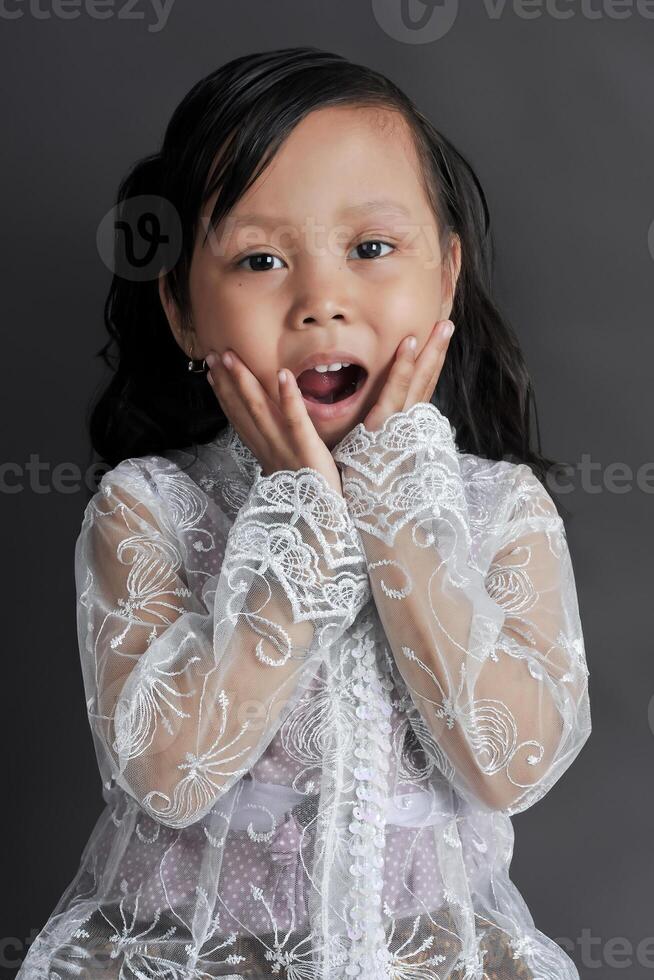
[555, 114]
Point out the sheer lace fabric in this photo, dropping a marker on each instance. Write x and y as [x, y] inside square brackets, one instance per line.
[314, 715]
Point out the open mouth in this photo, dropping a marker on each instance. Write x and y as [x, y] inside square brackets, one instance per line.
[328, 387]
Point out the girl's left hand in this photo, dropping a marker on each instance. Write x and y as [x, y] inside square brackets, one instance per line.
[412, 379]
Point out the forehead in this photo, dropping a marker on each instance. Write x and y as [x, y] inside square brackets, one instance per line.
[335, 159]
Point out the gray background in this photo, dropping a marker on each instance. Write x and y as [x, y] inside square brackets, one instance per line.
[556, 117]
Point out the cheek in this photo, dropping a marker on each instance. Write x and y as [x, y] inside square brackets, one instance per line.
[255, 345]
[260, 355]
[411, 308]
[225, 316]
[404, 311]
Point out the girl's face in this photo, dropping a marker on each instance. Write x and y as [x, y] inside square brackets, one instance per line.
[335, 248]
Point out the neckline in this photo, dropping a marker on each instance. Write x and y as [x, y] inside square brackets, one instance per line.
[228, 440]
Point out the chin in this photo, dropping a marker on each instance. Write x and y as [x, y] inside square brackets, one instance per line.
[331, 432]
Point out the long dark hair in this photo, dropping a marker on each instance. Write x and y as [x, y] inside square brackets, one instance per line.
[240, 115]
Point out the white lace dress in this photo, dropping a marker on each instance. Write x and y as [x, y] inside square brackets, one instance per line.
[314, 715]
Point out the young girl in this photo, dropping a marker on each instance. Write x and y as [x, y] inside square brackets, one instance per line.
[328, 651]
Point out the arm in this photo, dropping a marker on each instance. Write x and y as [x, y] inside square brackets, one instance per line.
[183, 693]
[490, 646]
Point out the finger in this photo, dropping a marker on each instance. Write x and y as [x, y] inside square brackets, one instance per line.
[429, 364]
[246, 403]
[394, 393]
[294, 412]
[426, 374]
[260, 407]
[223, 389]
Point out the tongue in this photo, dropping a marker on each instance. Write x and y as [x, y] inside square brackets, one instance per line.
[319, 384]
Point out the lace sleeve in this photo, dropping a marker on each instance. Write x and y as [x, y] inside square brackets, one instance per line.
[184, 692]
[491, 652]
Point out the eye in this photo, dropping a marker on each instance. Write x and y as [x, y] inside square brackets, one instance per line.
[259, 267]
[373, 241]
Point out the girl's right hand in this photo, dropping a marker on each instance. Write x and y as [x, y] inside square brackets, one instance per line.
[282, 437]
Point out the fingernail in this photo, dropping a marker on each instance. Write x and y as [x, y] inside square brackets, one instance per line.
[282, 376]
[411, 343]
[228, 360]
[447, 330]
[210, 358]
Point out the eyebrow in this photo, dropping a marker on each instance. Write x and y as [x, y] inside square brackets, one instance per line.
[382, 204]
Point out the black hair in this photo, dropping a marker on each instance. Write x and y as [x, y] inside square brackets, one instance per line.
[220, 137]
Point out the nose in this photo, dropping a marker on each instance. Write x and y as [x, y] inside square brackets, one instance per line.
[321, 318]
[321, 299]
[320, 311]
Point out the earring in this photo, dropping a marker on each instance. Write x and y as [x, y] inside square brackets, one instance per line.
[193, 364]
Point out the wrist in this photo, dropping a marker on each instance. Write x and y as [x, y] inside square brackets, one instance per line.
[334, 482]
[406, 440]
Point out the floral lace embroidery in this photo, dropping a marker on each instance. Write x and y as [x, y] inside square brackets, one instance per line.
[405, 469]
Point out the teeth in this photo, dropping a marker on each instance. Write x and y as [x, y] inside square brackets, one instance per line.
[321, 368]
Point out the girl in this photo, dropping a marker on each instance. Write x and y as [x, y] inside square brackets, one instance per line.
[328, 651]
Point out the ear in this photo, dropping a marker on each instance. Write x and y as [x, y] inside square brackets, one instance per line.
[451, 267]
[172, 313]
